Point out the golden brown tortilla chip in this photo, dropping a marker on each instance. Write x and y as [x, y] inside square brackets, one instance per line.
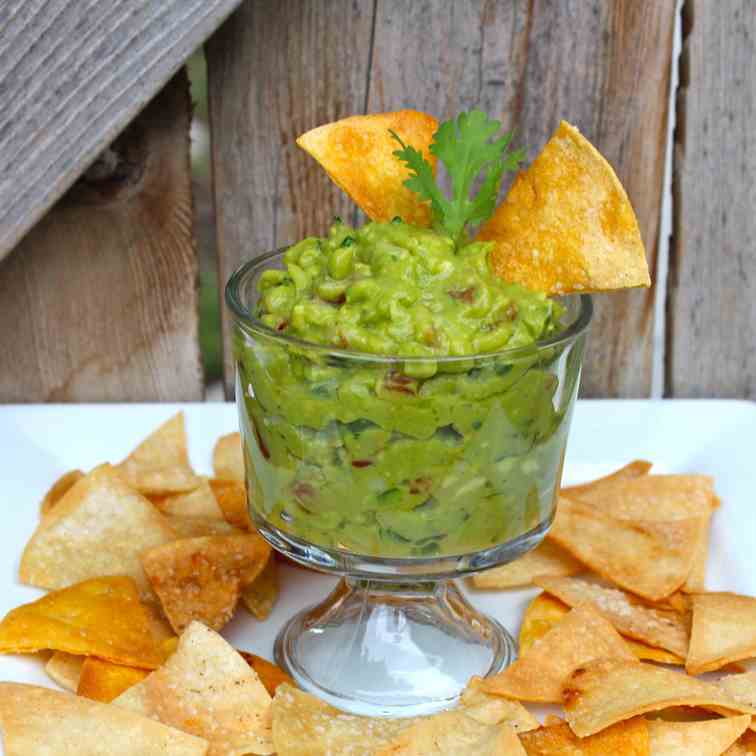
[647, 557]
[231, 496]
[261, 594]
[491, 709]
[104, 681]
[633, 469]
[607, 691]
[98, 528]
[271, 675]
[208, 690]
[59, 489]
[65, 669]
[546, 559]
[99, 617]
[567, 224]
[202, 578]
[358, 155]
[710, 738]
[745, 746]
[723, 631]
[656, 626]
[195, 527]
[199, 502]
[43, 721]
[628, 738]
[228, 458]
[741, 687]
[539, 673]
[545, 611]
[160, 464]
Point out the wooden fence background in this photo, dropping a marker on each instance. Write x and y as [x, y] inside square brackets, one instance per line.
[278, 69]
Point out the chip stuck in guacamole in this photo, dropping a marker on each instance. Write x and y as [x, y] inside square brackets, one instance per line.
[398, 397]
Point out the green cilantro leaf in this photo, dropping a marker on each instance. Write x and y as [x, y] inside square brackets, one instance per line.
[468, 150]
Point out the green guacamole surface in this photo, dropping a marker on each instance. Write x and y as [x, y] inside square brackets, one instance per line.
[402, 458]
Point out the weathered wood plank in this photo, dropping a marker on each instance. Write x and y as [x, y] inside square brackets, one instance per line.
[711, 325]
[72, 76]
[602, 66]
[274, 71]
[100, 298]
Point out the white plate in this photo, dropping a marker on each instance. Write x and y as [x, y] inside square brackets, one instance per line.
[40, 442]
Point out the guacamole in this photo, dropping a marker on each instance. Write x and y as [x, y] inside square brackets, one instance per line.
[401, 458]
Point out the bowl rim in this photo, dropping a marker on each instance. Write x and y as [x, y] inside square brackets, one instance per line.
[244, 317]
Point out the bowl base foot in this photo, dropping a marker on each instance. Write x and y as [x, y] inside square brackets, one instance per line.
[392, 649]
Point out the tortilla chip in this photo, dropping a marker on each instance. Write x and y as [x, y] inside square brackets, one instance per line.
[546, 559]
[65, 669]
[723, 631]
[43, 721]
[607, 691]
[655, 626]
[452, 733]
[303, 725]
[745, 746]
[104, 681]
[567, 224]
[231, 496]
[98, 528]
[208, 690]
[741, 687]
[628, 738]
[662, 497]
[228, 458]
[545, 611]
[261, 594]
[160, 464]
[195, 527]
[709, 738]
[649, 558]
[539, 673]
[59, 489]
[202, 578]
[99, 617]
[631, 470]
[358, 155]
[491, 709]
[199, 502]
[271, 675]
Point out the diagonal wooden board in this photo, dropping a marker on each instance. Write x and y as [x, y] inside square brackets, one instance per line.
[72, 76]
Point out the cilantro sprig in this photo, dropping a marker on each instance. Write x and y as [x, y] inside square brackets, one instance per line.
[468, 151]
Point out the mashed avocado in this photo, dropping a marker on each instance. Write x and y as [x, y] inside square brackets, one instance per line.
[401, 458]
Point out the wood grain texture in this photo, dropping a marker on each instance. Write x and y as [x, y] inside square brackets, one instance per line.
[100, 298]
[275, 71]
[603, 66]
[711, 323]
[72, 76]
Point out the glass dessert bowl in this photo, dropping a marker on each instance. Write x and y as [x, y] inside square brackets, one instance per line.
[399, 474]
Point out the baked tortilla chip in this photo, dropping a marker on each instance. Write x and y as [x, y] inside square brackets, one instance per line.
[655, 626]
[723, 631]
[202, 578]
[647, 557]
[208, 690]
[741, 687]
[98, 528]
[99, 617]
[65, 669]
[261, 594]
[104, 681]
[709, 738]
[358, 154]
[607, 691]
[546, 559]
[545, 611]
[271, 675]
[629, 738]
[44, 721]
[231, 496]
[59, 489]
[228, 458]
[199, 502]
[540, 672]
[567, 224]
[633, 469]
[160, 464]
[451, 733]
